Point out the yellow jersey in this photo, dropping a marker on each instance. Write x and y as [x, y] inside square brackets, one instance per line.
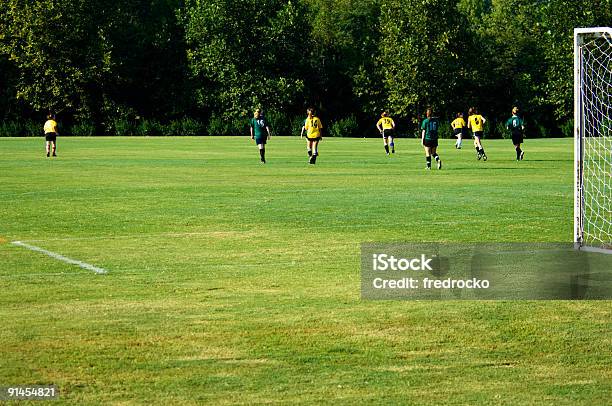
[458, 123]
[387, 123]
[50, 126]
[313, 127]
[476, 122]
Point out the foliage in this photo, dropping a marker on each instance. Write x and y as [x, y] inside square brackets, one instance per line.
[33, 128]
[123, 127]
[220, 126]
[82, 129]
[280, 122]
[75, 55]
[184, 127]
[503, 131]
[149, 128]
[10, 129]
[243, 55]
[344, 127]
[420, 53]
[172, 61]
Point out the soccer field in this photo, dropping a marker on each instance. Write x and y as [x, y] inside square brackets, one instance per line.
[232, 282]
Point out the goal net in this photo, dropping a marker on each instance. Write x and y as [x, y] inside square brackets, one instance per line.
[593, 138]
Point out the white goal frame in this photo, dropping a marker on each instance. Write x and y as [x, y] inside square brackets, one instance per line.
[580, 37]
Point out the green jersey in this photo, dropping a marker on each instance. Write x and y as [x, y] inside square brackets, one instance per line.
[430, 125]
[259, 127]
[515, 124]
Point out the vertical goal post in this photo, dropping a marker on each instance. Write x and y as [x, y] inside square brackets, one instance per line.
[593, 139]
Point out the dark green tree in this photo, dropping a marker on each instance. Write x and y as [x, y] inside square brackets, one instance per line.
[421, 54]
[558, 18]
[246, 53]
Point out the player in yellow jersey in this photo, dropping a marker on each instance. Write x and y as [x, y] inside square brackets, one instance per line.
[51, 134]
[386, 128]
[314, 134]
[459, 126]
[476, 124]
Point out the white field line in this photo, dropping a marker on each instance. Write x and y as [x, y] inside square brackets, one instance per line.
[62, 258]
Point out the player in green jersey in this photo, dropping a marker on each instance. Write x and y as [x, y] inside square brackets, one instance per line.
[429, 138]
[260, 132]
[516, 125]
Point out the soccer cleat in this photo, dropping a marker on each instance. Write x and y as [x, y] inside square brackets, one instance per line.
[393, 151]
[54, 154]
[386, 153]
[522, 155]
[479, 156]
[47, 155]
[484, 157]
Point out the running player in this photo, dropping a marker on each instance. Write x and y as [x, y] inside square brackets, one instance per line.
[429, 138]
[314, 129]
[257, 125]
[516, 126]
[51, 134]
[476, 124]
[458, 125]
[386, 127]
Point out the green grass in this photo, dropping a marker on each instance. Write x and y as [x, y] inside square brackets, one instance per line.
[231, 282]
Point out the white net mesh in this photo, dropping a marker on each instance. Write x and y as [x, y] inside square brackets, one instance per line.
[596, 111]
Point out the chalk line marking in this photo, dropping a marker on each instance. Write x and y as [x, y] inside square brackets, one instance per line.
[84, 265]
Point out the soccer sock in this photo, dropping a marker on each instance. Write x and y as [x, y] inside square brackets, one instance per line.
[428, 160]
[262, 153]
[392, 147]
[387, 149]
[437, 157]
[518, 153]
[477, 150]
[309, 152]
[482, 151]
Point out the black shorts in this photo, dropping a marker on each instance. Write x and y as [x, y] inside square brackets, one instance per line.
[50, 137]
[478, 134]
[430, 143]
[387, 133]
[517, 138]
[458, 131]
[261, 140]
[314, 139]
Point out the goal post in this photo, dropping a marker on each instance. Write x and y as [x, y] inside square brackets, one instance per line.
[593, 139]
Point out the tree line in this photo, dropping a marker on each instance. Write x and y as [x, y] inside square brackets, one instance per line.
[189, 67]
